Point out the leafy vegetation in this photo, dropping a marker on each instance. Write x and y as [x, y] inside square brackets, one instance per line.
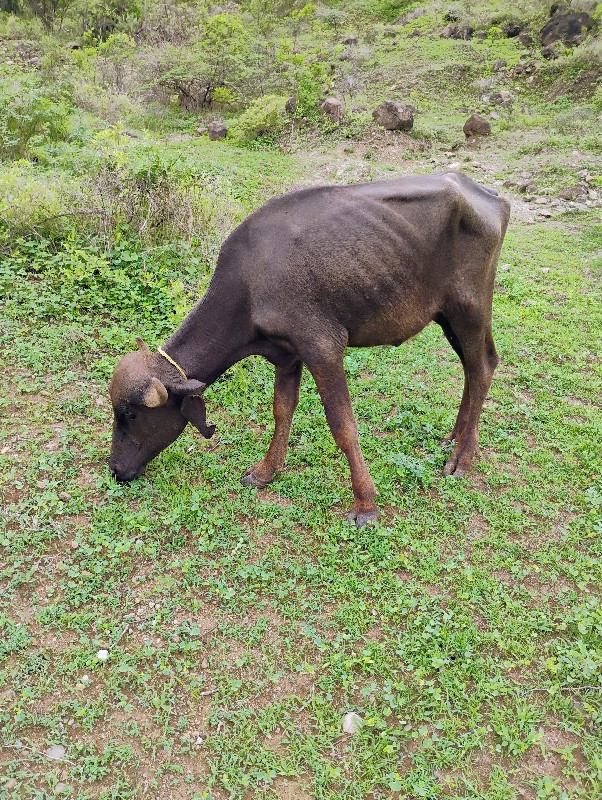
[241, 625]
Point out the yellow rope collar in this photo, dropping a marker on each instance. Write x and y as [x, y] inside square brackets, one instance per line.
[172, 362]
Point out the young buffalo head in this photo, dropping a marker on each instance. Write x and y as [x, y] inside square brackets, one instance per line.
[152, 403]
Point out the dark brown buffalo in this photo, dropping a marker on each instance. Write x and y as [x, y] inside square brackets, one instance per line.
[306, 276]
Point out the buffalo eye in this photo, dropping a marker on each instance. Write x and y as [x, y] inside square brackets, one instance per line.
[130, 415]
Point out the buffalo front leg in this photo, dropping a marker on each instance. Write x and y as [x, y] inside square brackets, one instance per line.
[286, 397]
[332, 385]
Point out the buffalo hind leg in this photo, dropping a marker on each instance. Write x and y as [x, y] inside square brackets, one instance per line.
[286, 397]
[479, 360]
[332, 385]
[465, 403]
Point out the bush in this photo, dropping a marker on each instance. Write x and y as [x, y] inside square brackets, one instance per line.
[31, 201]
[31, 112]
[265, 116]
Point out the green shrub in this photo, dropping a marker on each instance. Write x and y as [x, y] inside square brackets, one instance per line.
[264, 117]
[34, 201]
[31, 112]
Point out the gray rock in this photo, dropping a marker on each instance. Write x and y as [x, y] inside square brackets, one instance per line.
[566, 28]
[333, 108]
[454, 31]
[525, 40]
[394, 116]
[291, 105]
[476, 125]
[352, 722]
[525, 187]
[217, 130]
[549, 51]
[512, 30]
[500, 64]
[570, 193]
[56, 752]
[351, 39]
[389, 33]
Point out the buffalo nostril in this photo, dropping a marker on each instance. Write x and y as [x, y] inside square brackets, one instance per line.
[124, 474]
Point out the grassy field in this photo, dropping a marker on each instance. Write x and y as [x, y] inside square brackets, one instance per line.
[239, 625]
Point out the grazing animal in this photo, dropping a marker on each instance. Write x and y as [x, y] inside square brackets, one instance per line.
[306, 276]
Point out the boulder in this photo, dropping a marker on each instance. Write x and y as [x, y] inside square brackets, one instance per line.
[526, 187]
[394, 116]
[454, 31]
[513, 30]
[500, 64]
[566, 28]
[525, 40]
[291, 105]
[549, 52]
[476, 125]
[217, 130]
[333, 108]
[571, 193]
[351, 39]
[389, 33]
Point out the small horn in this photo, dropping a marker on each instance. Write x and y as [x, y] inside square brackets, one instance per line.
[155, 395]
[141, 346]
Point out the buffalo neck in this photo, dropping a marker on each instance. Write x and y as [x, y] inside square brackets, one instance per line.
[216, 334]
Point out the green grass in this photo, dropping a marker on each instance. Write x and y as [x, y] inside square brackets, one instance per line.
[462, 628]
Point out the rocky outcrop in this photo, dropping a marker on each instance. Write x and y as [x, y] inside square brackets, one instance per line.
[566, 28]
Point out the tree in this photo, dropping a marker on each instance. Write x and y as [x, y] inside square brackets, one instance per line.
[224, 58]
[49, 11]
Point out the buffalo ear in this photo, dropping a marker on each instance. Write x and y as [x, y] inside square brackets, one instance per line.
[193, 409]
[189, 387]
[142, 347]
[155, 395]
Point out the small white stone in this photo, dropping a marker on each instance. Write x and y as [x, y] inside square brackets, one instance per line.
[352, 722]
[199, 740]
[56, 752]
[544, 269]
[102, 655]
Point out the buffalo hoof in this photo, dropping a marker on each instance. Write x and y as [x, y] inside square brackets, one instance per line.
[253, 477]
[460, 463]
[362, 518]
